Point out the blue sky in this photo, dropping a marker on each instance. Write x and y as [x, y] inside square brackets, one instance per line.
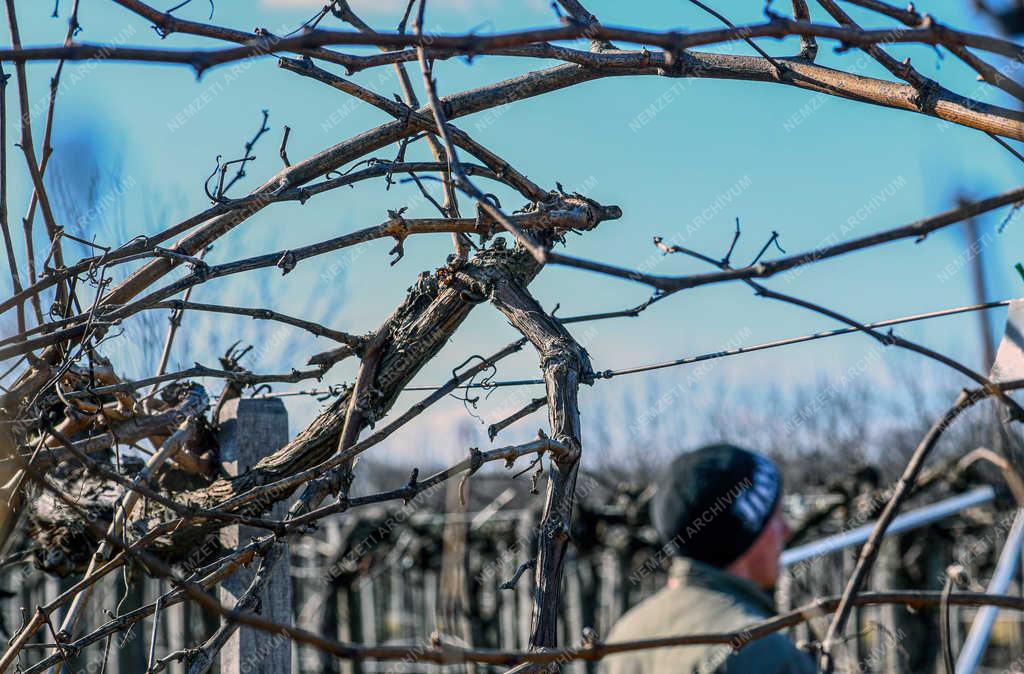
[777, 158]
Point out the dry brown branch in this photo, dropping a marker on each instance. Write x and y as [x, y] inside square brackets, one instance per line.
[460, 178]
[526, 410]
[558, 217]
[28, 149]
[450, 208]
[12, 263]
[452, 653]
[918, 230]
[889, 339]
[673, 41]
[869, 552]
[67, 410]
[565, 365]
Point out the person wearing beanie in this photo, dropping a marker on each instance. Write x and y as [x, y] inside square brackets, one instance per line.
[717, 509]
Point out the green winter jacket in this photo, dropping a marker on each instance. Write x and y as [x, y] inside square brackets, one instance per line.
[706, 599]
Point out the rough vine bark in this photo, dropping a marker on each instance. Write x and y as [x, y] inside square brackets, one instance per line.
[565, 365]
[435, 307]
[417, 330]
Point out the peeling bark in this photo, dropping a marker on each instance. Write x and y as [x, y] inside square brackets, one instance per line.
[565, 365]
[416, 331]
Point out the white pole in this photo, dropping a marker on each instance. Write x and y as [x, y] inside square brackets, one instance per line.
[905, 522]
[977, 638]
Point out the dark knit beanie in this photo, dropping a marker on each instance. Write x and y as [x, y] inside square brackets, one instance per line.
[713, 503]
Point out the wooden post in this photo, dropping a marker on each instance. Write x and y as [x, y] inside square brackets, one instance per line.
[574, 614]
[888, 568]
[506, 600]
[524, 588]
[849, 557]
[453, 597]
[251, 429]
